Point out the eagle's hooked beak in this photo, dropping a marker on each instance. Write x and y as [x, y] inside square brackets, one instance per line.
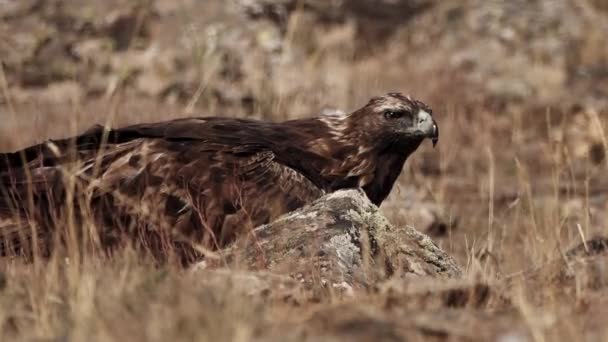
[428, 126]
[435, 134]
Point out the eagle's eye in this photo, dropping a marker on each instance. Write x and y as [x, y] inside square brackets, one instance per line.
[393, 114]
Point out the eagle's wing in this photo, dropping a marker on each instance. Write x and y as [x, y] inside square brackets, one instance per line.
[205, 195]
[36, 184]
[189, 180]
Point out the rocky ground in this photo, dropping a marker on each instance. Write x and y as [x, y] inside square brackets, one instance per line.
[519, 88]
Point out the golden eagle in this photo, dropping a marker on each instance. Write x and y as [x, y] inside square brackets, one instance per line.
[203, 179]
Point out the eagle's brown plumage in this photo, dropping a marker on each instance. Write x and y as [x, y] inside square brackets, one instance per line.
[205, 179]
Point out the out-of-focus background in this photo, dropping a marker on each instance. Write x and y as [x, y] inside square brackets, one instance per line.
[519, 89]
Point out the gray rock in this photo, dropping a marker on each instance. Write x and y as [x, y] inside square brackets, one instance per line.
[342, 241]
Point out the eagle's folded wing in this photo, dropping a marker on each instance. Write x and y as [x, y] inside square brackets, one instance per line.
[206, 190]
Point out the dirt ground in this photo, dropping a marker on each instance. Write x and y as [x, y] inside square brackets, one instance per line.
[516, 184]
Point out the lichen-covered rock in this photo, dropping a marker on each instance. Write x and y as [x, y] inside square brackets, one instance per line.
[342, 241]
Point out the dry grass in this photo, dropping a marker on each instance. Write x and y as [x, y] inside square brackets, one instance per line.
[515, 179]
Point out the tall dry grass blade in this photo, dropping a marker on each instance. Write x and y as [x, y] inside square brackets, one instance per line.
[492, 182]
[6, 92]
[582, 235]
[530, 316]
[32, 213]
[203, 84]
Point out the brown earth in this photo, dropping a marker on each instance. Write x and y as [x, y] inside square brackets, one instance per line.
[519, 89]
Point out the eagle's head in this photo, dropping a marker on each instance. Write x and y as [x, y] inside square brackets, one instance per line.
[396, 120]
[368, 147]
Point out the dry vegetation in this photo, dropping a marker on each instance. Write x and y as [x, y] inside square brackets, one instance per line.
[516, 182]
